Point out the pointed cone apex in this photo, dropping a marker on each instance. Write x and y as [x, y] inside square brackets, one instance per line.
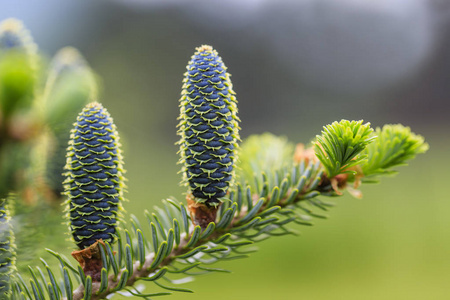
[205, 48]
[94, 181]
[208, 128]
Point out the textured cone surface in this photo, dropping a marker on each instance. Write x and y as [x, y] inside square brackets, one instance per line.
[208, 126]
[7, 251]
[94, 181]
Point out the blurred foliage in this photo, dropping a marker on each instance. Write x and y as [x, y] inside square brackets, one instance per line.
[18, 121]
[70, 85]
[265, 152]
[38, 103]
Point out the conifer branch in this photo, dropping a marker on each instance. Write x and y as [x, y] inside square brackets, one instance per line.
[230, 203]
[247, 215]
[261, 215]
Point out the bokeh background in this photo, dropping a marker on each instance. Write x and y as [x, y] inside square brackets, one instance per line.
[296, 66]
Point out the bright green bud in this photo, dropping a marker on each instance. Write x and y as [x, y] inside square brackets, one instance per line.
[394, 146]
[340, 145]
[263, 153]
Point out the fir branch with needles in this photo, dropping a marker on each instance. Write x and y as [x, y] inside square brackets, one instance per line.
[172, 244]
[231, 204]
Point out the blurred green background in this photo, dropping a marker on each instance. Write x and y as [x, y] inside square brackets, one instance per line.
[296, 66]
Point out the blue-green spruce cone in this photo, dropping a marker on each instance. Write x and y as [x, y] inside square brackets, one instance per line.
[208, 127]
[94, 181]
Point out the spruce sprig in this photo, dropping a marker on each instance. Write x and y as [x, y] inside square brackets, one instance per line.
[340, 144]
[393, 147]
